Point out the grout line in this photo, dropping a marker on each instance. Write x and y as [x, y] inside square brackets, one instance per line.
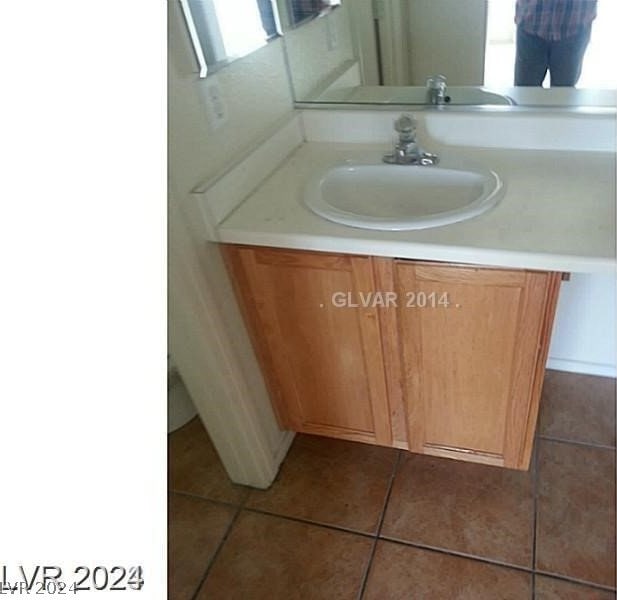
[498, 563]
[379, 526]
[598, 586]
[198, 497]
[219, 547]
[483, 559]
[309, 522]
[533, 586]
[577, 443]
[216, 553]
[535, 485]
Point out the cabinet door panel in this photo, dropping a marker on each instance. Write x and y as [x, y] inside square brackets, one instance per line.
[470, 369]
[323, 361]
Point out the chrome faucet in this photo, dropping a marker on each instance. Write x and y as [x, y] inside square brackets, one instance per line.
[406, 150]
[436, 90]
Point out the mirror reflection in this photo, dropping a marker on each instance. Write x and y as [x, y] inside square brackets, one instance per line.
[473, 43]
[574, 37]
[385, 51]
[225, 30]
[296, 12]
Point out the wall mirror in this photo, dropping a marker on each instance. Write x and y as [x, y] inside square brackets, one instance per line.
[382, 51]
[399, 44]
[222, 31]
[294, 13]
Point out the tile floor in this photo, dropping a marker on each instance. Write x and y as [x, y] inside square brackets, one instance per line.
[348, 520]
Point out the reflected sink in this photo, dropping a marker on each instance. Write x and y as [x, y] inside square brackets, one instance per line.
[457, 95]
[402, 197]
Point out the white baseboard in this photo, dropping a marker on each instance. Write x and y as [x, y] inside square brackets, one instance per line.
[586, 368]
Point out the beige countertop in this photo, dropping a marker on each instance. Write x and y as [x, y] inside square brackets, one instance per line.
[558, 212]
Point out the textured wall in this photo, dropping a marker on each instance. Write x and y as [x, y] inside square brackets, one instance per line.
[255, 90]
[448, 37]
[311, 62]
[585, 326]
[257, 97]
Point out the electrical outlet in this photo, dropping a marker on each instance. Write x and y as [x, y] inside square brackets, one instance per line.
[331, 34]
[216, 108]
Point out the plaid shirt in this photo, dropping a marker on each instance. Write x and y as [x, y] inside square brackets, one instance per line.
[554, 19]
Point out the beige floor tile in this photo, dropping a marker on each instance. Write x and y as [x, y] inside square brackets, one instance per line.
[578, 408]
[404, 573]
[476, 509]
[194, 466]
[330, 481]
[271, 558]
[547, 588]
[196, 527]
[576, 512]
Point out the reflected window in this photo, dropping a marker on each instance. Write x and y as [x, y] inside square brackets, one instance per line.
[500, 44]
[303, 10]
[597, 70]
[230, 29]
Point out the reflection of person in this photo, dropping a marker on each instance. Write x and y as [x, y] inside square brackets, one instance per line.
[552, 35]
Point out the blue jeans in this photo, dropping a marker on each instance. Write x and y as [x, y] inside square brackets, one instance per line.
[563, 58]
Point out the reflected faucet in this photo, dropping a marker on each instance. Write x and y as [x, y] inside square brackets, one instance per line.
[436, 89]
[406, 150]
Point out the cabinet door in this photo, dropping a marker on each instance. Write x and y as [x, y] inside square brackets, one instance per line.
[472, 371]
[323, 363]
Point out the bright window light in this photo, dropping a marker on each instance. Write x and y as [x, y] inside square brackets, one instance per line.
[240, 26]
[598, 69]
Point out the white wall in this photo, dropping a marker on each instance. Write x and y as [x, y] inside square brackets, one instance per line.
[318, 51]
[361, 17]
[208, 340]
[447, 37]
[420, 38]
[256, 95]
[585, 330]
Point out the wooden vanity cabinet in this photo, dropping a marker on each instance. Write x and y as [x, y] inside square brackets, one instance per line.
[471, 366]
[445, 359]
[323, 364]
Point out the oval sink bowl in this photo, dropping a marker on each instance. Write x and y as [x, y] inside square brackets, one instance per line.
[401, 197]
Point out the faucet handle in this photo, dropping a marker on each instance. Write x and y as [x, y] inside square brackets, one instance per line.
[436, 81]
[405, 123]
[406, 127]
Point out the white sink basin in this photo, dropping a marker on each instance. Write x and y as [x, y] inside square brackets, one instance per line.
[402, 197]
